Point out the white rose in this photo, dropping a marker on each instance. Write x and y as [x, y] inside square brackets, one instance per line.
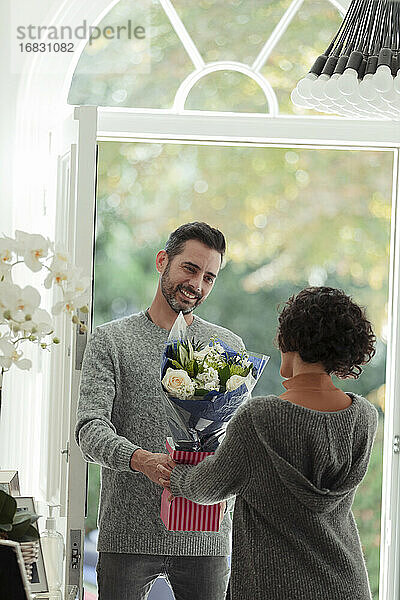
[178, 383]
[234, 382]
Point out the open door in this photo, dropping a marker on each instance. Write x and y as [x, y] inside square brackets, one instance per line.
[73, 149]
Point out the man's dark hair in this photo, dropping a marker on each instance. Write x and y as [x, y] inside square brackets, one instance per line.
[209, 236]
[325, 326]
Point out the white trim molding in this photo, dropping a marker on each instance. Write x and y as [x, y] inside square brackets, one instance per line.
[195, 76]
[123, 124]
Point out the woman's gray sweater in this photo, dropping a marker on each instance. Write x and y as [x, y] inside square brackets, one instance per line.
[295, 472]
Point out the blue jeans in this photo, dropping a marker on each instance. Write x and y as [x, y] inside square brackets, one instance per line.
[130, 576]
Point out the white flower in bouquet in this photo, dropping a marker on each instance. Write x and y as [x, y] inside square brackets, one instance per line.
[215, 356]
[200, 355]
[235, 381]
[208, 380]
[218, 348]
[178, 383]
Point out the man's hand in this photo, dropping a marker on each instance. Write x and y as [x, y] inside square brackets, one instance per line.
[146, 462]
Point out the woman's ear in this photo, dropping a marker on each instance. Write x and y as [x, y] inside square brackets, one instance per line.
[286, 369]
[161, 261]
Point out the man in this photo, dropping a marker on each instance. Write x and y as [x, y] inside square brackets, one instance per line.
[122, 426]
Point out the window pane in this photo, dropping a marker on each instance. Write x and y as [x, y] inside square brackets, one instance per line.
[112, 73]
[227, 91]
[230, 29]
[292, 218]
[308, 35]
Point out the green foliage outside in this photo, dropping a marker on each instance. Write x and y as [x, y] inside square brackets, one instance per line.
[366, 509]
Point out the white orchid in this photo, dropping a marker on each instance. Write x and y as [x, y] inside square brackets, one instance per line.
[11, 356]
[76, 293]
[76, 289]
[60, 269]
[40, 325]
[7, 251]
[80, 288]
[70, 303]
[32, 248]
[19, 303]
[21, 317]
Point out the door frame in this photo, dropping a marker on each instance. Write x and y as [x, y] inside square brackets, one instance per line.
[200, 127]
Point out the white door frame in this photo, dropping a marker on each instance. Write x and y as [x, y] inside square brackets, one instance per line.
[76, 155]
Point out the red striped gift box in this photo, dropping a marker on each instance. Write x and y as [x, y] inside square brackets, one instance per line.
[181, 514]
[183, 456]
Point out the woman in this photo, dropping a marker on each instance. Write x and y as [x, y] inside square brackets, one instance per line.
[294, 461]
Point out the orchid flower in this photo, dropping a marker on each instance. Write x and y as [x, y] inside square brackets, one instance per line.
[80, 288]
[21, 318]
[11, 356]
[40, 325]
[7, 250]
[20, 303]
[32, 248]
[70, 303]
[59, 269]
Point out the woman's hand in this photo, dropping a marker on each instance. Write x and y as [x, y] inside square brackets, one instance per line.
[165, 475]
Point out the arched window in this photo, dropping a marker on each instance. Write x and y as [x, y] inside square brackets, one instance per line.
[236, 56]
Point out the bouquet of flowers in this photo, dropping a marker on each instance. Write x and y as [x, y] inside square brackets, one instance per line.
[204, 384]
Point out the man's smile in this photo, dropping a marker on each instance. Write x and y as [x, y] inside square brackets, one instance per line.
[188, 294]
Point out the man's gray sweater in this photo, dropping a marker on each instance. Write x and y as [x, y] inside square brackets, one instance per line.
[120, 410]
[295, 472]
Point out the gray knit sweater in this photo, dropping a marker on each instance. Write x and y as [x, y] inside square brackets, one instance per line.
[120, 410]
[295, 472]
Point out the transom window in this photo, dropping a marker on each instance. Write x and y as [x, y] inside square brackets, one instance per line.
[233, 56]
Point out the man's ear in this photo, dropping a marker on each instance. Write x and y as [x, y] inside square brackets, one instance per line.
[161, 261]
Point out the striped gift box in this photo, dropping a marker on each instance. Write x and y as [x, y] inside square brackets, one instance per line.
[181, 514]
[183, 456]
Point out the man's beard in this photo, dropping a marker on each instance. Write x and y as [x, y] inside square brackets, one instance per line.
[169, 292]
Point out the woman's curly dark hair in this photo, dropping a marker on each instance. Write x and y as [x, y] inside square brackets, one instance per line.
[324, 325]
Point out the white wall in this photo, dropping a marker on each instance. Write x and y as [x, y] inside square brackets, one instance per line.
[8, 92]
[32, 103]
